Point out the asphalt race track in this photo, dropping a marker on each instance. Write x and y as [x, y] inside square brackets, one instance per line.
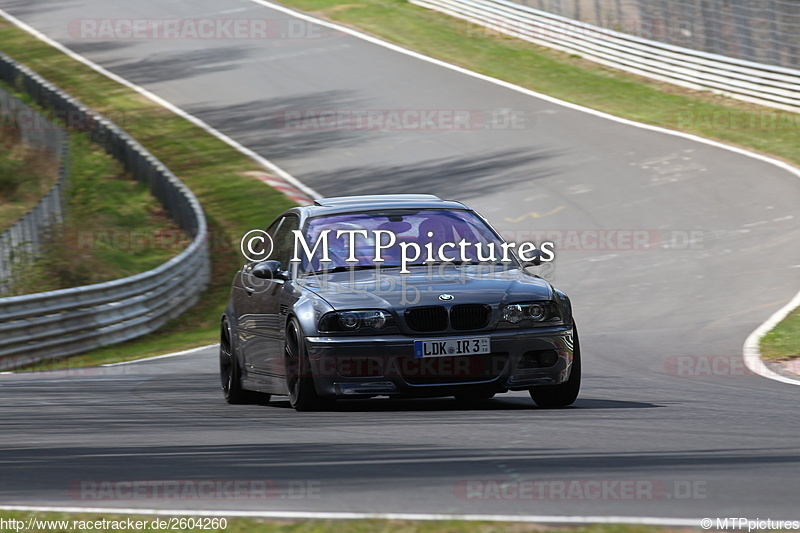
[667, 406]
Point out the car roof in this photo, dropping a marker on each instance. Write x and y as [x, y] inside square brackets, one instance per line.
[344, 204]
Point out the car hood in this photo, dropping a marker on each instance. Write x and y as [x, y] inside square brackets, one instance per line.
[388, 289]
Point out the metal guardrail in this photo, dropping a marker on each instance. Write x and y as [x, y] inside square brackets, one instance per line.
[22, 241]
[762, 31]
[39, 326]
[759, 83]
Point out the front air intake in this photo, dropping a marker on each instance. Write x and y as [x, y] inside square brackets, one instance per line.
[470, 316]
[433, 318]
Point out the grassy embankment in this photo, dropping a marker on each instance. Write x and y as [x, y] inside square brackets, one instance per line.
[26, 174]
[233, 202]
[105, 208]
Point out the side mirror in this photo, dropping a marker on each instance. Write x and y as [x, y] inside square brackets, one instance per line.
[269, 270]
[536, 258]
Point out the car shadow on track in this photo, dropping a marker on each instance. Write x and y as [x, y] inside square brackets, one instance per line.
[451, 404]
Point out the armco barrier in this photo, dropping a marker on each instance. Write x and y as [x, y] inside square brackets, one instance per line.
[64, 322]
[763, 84]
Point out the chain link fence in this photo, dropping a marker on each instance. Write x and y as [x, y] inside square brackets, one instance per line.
[22, 241]
[762, 31]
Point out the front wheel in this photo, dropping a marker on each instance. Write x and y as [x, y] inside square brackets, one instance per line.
[299, 381]
[564, 394]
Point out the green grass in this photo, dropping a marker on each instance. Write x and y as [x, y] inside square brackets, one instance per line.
[213, 170]
[26, 174]
[102, 201]
[233, 203]
[240, 525]
[783, 342]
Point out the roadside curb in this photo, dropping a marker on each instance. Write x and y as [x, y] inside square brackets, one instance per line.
[282, 185]
[752, 352]
[787, 369]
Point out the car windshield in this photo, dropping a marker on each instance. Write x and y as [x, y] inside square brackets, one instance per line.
[440, 235]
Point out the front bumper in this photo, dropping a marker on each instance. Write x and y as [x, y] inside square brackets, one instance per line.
[386, 366]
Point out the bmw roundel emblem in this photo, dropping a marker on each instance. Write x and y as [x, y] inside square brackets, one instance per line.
[445, 297]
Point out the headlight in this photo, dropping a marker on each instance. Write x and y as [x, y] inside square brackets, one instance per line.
[375, 319]
[513, 313]
[348, 321]
[532, 312]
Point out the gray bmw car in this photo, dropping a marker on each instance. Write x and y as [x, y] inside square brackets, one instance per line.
[398, 296]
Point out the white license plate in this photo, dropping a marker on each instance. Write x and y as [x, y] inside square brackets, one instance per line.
[451, 347]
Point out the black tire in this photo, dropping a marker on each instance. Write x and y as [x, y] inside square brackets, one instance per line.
[474, 396]
[555, 396]
[230, 373]
[302, 393]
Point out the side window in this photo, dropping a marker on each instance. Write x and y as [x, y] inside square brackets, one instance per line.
[257, 247]
[283, 240]
[274, 227]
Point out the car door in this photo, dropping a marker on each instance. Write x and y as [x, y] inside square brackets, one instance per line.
[267, 307]
[253, 302]
[283, 298]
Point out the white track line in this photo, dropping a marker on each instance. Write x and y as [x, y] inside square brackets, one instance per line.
[166, 104]
[165, 356]
[313, 515]
[752, 356]
[751, 344]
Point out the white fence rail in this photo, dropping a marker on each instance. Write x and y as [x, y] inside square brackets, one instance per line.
[763, 84]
